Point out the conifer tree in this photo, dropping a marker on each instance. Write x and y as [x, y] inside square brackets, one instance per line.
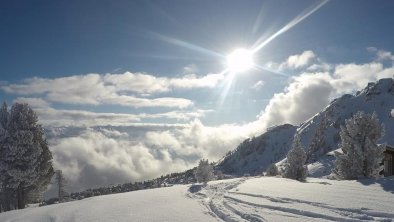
[361, 155]
[4, 115]
[204, 171]
[295, 165]
[318, 143]
[272, 170]
[61, 185]
[25, 159]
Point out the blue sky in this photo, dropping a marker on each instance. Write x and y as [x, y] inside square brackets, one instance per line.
[51, 39]
[151, 72]
[57, 38]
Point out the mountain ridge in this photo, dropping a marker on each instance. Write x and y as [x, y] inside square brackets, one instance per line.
[376, 97]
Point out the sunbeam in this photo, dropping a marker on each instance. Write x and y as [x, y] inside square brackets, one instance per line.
[258, 46]
[228, 81]
[187, 45]
[271, 71]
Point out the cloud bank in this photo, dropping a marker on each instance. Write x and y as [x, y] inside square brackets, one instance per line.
[127, 89]
[109, 155]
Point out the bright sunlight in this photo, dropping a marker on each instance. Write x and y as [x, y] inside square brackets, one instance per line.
[240, 60]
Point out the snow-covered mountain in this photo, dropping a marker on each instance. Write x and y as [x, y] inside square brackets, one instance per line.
[254, 155]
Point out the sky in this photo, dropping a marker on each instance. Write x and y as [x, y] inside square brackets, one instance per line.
[130, 90]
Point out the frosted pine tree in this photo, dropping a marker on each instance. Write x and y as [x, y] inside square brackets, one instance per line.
[204, 172]
[272, 170]
[25, 158]
[4, 115]
[361, 156]
[61, 185]
[4, 198]
[318, 143]
[295, 165]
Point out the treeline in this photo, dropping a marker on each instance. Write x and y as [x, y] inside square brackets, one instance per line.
[185, 177]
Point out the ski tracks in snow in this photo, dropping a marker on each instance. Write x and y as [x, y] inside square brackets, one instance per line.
[214, 197]
[224, 202]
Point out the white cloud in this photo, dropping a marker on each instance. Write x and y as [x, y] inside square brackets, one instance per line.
[192, 81]
[385, 55]
[145, 102]
[190, 69]
[306, 95]
[137, 82]
[33, 102]
[94, 159]
[310, 92]
[258, 85]
[381, 55]
[116, 89]
[298, 61]
[349, 77]
[320, 67]
[59, 117]
[111, 155]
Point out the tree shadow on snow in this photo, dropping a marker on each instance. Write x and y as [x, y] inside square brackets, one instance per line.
[195, 188]
[322, 183]
[387, 183]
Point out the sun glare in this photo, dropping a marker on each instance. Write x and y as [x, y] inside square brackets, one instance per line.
[240, 60]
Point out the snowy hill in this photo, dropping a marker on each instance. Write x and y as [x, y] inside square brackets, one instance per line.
[243, 199]
[254, 155]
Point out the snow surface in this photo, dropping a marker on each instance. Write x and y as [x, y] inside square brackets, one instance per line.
[323, 167]
[279, 199]
[164, 204]
[242, 199]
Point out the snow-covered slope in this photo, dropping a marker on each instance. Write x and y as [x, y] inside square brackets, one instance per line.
[164, 204]
[279, 199]
[376, 97]
[242, 199]
[254, 155]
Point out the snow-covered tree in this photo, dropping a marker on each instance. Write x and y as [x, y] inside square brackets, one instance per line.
[25, 159]
[4, 115]
[361, 155]
[317, 147]
[61, 183]
[5, 198]
[295, 164]
[204, 171]
[272, 170]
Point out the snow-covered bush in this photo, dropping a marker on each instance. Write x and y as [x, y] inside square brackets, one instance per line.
[361, 156]
[295, 164]
[272, 170]
[25, 159]
[204, 171]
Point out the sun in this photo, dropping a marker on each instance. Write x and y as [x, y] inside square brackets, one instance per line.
[240, 60]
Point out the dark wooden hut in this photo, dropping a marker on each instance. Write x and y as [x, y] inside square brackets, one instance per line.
[388, 161]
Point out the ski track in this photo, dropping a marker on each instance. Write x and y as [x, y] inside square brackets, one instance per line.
[231, 206]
